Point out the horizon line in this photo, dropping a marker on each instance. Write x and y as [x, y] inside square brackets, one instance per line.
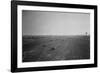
[58, 35]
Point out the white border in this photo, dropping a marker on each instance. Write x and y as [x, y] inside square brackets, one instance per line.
[53, 63]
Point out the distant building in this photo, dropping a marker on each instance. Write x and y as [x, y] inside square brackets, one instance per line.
[86, 33]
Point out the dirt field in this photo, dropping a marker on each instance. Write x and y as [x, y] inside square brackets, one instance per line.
[51, 48]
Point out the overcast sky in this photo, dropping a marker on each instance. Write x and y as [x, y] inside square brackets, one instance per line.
[54, 23]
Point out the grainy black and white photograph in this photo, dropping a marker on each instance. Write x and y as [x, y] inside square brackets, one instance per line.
[55, 36]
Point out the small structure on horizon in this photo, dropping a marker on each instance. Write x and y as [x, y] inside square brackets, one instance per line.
[86, 33]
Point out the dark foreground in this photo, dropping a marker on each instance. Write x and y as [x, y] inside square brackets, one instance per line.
[52, 48]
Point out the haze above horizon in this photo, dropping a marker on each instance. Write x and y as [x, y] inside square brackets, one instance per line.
[53, 23]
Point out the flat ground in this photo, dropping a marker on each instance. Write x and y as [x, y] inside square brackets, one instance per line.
[52, 48]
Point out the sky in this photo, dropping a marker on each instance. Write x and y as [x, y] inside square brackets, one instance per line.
[54, 23]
